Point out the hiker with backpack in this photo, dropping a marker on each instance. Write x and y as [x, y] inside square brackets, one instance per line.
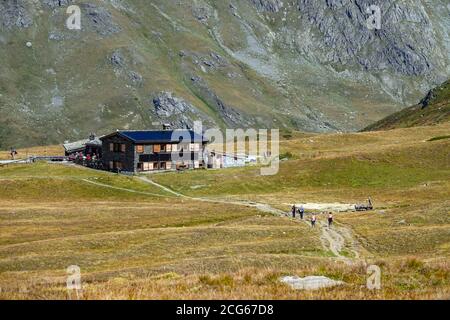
[330, 219]
[13, 153]
[301, 211]
[313, 220]
[294, 209]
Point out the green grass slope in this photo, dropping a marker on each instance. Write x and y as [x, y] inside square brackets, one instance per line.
[238, 65]
[135, 241]
[433, 109]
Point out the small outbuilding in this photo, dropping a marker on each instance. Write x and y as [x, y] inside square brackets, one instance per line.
[91, 146]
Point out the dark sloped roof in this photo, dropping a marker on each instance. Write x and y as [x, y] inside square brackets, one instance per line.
[162, 136]
[81, 144]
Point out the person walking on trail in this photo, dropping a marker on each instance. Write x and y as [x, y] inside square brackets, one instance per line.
[330, 219]
[13, 153]
[294, 209]
[313, 221]
[301, 211]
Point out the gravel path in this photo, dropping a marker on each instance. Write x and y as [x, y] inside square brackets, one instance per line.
[333, 239]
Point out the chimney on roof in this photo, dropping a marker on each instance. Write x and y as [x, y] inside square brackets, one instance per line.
[167, 127]
[92, 137]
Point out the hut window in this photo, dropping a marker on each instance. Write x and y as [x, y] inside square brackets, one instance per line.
[123, 147]
[194, 147]
[117, 147]
[111, 147]
[174, 147]
[148, 166]
[169, 148]
[111, 165]
[157, 148]
[140, 149]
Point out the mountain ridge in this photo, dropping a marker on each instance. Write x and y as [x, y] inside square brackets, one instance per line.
[433, 109]
[301, 65]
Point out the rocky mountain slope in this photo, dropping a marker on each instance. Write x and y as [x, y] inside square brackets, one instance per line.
[433, 109]
[302, 64]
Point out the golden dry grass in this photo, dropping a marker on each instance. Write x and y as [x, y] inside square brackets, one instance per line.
[149, 244]
[56, 150]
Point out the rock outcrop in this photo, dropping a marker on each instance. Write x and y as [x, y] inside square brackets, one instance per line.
[99, 19]
[15, 14]
[176, 111]
[268, 5]
[343, 38]
[302, 64]
[57, 3]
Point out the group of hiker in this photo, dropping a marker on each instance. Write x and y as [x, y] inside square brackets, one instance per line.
[81, 158]
[313, 219]
[88, 160]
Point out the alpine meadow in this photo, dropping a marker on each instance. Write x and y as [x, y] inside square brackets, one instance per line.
[256, 150]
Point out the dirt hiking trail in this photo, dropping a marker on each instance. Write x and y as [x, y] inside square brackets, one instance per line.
[337, 239]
